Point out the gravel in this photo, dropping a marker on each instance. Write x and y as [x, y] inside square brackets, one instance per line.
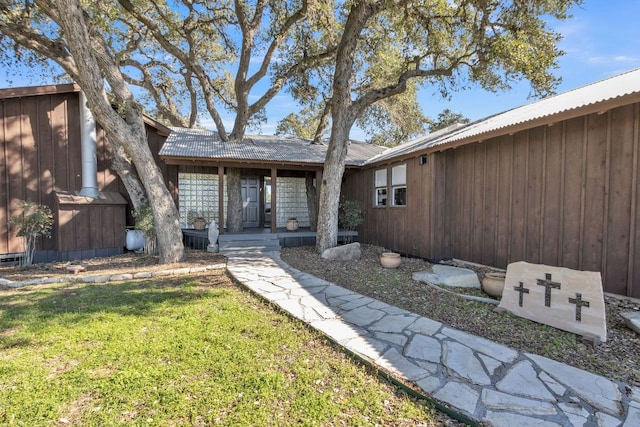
[618, 358]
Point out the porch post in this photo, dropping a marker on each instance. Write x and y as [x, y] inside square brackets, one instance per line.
[318, 185]
[274, 200]
[221, 199]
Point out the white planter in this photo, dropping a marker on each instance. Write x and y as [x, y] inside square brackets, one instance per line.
[135, 240]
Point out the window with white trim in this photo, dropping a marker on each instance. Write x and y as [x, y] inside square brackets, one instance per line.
[380, 196]
[399, 185]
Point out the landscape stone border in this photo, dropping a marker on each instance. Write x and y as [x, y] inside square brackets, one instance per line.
[104, 278]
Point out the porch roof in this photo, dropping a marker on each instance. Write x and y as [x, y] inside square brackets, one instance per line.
[205, 144]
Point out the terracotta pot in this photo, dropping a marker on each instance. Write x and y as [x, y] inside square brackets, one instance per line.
[390, 260]
[292, 224]
[199, 223]
[493, 284]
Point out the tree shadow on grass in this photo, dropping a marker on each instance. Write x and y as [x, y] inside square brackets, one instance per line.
[72, 304]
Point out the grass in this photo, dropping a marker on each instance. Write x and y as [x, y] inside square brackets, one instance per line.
[178, 351]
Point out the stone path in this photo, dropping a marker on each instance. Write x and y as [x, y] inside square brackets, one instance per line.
[479, 379]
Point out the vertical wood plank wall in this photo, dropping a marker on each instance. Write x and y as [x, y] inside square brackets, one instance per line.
[565, 194]
[41, 154]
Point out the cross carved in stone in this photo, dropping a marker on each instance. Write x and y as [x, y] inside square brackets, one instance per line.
[579, 304]
[548, 284]
[521, 290]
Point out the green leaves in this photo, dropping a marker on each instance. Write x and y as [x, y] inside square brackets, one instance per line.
[35, 221]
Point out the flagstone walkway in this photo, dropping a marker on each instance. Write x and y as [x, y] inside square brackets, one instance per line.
[477, 378]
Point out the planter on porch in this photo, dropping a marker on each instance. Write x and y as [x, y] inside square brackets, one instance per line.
[199, 223]
[292, 224]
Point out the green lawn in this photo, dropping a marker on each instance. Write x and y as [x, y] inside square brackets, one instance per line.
[178, 351]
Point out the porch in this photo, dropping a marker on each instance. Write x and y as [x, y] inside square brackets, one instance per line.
[259, 239]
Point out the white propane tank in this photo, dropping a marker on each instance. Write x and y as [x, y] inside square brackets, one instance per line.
[135, 240]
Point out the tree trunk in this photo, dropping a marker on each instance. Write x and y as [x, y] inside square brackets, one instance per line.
[312, 200]
[343, 115]
[125, 127]
[165, 214]
[327, 236]
[234, 200]
[129, 176]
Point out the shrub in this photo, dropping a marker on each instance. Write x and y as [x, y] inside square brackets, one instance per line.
[34, 222]
[144, 223]
[350, 215]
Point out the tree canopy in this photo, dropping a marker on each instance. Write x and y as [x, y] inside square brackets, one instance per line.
[447, 44]
[359, 61]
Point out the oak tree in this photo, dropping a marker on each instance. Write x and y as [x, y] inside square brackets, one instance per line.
[65, 32]
[444, 43]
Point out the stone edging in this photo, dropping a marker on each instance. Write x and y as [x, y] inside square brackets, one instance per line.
[104, 278]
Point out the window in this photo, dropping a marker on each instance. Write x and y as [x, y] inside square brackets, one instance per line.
[198, 196]
[381, 187]
[399, 185]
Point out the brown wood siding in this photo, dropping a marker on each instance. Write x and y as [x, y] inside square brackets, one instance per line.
[36, 133]
[565, 194]
[41, 154]
[90, 225]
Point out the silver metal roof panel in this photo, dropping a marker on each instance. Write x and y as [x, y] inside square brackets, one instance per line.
[206, 144]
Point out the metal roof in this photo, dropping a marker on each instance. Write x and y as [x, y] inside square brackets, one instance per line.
[206, 144]
[614, 87]
[415, 144]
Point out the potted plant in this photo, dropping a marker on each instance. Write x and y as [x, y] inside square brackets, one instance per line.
[35, 222]
[199, 223]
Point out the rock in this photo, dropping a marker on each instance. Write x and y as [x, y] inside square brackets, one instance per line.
[632, 320]
[449, 276]
[566, 299]
[350, 252]
[75, 269]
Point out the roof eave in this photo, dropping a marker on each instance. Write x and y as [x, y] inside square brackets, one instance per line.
[550, 120]
[21, 92]
[596, 108]
[203, 161]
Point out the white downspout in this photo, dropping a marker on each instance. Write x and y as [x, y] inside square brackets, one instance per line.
[89, 156]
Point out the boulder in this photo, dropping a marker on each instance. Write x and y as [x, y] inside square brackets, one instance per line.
[566, 299]
[448, 276]
[350, 252]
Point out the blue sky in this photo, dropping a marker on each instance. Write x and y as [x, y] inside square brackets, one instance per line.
[601, 40]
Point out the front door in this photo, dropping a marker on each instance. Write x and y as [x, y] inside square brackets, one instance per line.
[250, 201]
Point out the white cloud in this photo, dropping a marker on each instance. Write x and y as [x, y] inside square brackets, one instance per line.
[624, 58]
